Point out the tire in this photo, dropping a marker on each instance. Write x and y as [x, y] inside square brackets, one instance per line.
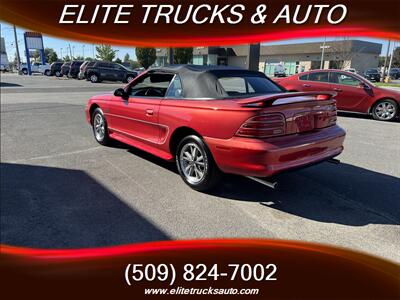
[58, 74]
[100, 129]
[200, 173]
[129, 78]
[47, 72]
[385, 110]
[94, 78]
[25, 71]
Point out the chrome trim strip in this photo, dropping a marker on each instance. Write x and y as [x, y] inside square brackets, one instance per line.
[161, 142]
[140, 138]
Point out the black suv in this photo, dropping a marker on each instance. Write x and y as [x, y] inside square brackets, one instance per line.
[75, 68]
[97, 71]
[65, 68]
[394, 73]
[372, 75]
[55, 68]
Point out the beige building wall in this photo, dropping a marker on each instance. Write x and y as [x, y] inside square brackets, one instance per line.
[363, 61]
[237, 61]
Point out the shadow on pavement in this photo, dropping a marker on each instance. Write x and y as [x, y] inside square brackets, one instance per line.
[360, 116]
[7, 84]
[61, 208]
[342, 194]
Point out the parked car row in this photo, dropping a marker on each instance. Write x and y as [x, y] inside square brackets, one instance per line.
[94, 71]
[354, 92]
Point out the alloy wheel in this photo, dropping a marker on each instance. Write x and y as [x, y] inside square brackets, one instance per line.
[385, 110]
[99, 127]
[93, 78]
[193, 162]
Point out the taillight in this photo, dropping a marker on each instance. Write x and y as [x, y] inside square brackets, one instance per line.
[326, 115]
[263, 126]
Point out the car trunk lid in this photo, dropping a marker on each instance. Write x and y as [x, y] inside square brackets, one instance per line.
[302, 111]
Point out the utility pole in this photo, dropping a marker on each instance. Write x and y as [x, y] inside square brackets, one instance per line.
[390, 64]
[16, 47]
[323, 47]
[61, 53]
[253, 57]
[171, 56]
[83, 51]
[384, 65]
[70, 51]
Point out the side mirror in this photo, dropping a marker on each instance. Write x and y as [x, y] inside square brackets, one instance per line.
[121, 93]
[363, 85]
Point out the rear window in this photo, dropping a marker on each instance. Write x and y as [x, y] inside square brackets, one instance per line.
[103, 65]
[372, 71]
[303, 77]
[247, 85]
[76, 63]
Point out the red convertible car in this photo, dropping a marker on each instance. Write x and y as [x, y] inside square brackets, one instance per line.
[215, 120]
[354, 92]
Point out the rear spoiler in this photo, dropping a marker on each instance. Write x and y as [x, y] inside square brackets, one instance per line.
[303, 97]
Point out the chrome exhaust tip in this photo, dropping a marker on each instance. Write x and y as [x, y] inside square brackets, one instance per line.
[272, 185]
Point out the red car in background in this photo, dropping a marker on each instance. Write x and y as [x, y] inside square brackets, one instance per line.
[354, 93]
[212, 120]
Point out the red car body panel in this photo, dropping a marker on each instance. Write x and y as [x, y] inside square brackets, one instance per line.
[348, 98]
[149, 124]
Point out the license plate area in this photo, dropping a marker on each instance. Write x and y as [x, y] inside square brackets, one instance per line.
[304, 122]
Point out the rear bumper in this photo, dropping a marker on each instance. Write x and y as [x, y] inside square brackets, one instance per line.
[263, 158]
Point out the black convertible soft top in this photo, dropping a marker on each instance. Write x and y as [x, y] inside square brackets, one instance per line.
[201, 81]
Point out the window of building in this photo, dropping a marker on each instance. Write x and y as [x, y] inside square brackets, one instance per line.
[198, 60]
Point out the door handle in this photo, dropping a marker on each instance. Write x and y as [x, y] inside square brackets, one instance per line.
[337, 90]
[307, 85]
[149, 112]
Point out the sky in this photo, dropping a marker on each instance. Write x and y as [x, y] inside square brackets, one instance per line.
[88, 50]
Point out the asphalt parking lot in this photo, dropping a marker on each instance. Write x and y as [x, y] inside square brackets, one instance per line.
[60, 189]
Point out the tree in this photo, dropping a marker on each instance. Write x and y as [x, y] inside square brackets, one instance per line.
[183, 55]
[126, 58]
[381, 61]
[79, 57]
[135, 64]
[118, 61]
[146, 56]
[89, 59]
[35, 55]
[66, 58]
[105, 52]
[343, 53]
[396, 58]
[50, 55]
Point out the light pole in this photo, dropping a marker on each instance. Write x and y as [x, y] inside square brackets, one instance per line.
[323, 47]
[70, 51]
[384, 65]
[83, 51]
[93, 51]
[16, 47]
[73, 51]
[61, 54]
[387, 79]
